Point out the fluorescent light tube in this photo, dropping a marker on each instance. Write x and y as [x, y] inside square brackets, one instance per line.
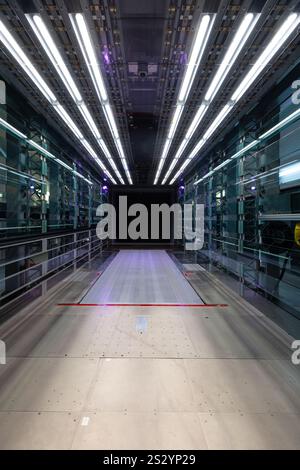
[216, 122]
[68, 120]
[271, 49]
[40, 148]
[166, 149]
[176, 158]
[169, 171]
[195, 122]
[286, 29]
[87, 49]
[111, 120]
[181, 169]
[16, 51]
[232, 53]
[221, 165]
[106, 151]
[234, 49]
[70, 123]
[175, 120]
[197, 148]
[18, 54]
[201, 111]
[198, 48]
[89, 120]
[54, 55]
[204, 29]
[121, 151]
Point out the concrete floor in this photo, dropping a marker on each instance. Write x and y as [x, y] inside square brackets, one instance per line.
[152, 377]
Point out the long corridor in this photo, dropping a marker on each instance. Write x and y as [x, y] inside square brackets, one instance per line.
[85, 371]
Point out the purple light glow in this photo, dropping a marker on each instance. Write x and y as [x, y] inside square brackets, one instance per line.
[105, 54]
[183, 58]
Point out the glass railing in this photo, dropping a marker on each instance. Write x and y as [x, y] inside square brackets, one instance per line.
[252, 214]
[40, 191]
[23, 265]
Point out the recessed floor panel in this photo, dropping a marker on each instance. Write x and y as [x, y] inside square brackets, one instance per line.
[142, 276]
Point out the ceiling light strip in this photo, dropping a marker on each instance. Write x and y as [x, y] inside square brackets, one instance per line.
[41, 31]
[88, 51]
[283, 33]
[278, 40]
[203, 33]
[239, 40]
[15, 50]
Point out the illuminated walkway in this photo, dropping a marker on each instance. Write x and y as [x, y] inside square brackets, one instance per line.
[159, 377]
[142, 276]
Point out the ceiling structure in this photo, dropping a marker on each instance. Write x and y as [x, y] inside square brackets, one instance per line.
[143, 48]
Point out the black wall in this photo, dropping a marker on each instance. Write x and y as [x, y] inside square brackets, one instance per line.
[147, 196]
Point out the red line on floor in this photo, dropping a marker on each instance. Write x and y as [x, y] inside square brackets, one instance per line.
[143, 305]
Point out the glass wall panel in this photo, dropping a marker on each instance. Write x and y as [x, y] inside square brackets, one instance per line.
[252, 204]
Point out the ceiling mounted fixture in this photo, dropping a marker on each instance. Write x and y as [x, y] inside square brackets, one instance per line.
[16, 51]
[203, 32]
[92, 63]
[49, 46]
[273, 46]
[235, 47]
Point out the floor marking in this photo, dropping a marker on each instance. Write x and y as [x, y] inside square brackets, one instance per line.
[143, 305]
[141, 323]
[85, 421]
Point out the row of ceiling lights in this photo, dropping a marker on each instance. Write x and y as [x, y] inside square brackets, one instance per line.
[90, 57]
[239, 40]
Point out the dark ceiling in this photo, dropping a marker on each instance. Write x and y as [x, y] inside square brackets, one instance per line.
[142, 25]
[147, 43]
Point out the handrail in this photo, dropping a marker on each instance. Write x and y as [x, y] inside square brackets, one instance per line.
[42, 263]
[46, 274]
[32, 255]
[64, 234]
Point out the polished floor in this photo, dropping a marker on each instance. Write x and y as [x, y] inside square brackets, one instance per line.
[142, 276]
[212, 376]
